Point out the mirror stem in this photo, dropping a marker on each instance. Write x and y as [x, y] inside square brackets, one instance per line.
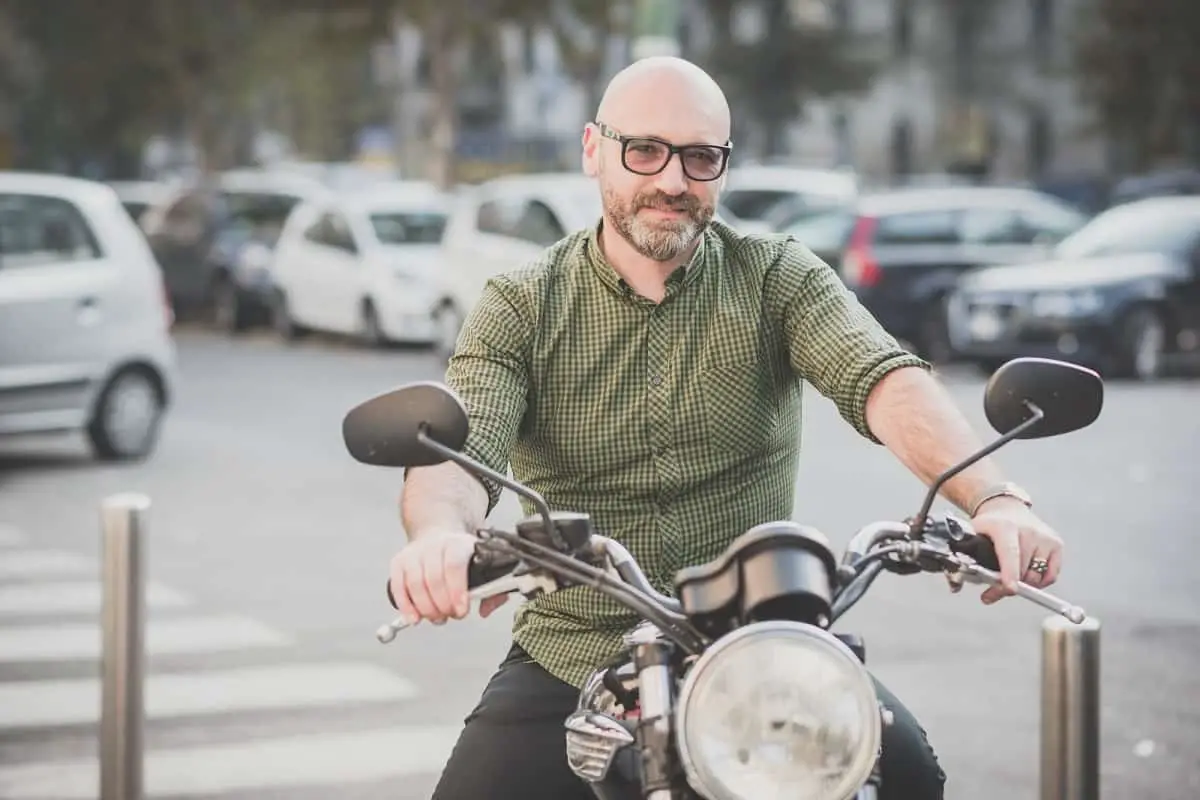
[471, 465]
[918, 523]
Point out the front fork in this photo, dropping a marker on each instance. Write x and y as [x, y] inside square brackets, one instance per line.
[652, 660]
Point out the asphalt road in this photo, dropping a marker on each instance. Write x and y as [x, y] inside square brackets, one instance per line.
[268, 547]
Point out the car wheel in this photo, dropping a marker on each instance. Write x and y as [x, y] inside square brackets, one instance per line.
[128, 417]
[1143, 344]
[447, 322]
[370, 331]
[281, 318]
[228, 314]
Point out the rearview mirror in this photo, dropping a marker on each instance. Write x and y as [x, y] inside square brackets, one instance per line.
[383, 431]
[1069, 396]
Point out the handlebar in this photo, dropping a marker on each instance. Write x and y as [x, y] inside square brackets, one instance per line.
[946, 544]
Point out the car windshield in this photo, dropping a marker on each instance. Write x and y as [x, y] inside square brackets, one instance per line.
[408, 227]
[824, 232]
[257, 216]
[1152, 229]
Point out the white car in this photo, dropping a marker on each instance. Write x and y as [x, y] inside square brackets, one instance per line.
[366, 264]
[776, 196]
[504, 223]
[85, 339]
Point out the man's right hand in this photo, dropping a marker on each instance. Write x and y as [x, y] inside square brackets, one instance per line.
[429, 578]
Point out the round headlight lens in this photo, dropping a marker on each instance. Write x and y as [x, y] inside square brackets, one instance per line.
[778, 709]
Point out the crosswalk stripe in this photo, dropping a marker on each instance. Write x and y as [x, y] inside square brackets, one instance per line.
[332, 760]
[75, 597]
[43, 563]
[163, 637]
[12, 537]
[74, 702]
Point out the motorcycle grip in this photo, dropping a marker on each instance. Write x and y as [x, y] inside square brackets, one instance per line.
[979, 548]
[482, 568]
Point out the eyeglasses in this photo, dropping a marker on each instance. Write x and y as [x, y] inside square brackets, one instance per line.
[646, 155]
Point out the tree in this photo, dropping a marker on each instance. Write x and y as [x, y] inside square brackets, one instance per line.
[1139, 70]
[774, 77]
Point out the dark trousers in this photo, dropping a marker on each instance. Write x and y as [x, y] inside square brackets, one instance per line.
[514, 747]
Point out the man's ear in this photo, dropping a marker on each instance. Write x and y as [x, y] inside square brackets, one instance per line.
[591, 151]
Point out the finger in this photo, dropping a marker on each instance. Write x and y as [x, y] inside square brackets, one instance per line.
[1032, 576]
[1055, 559]
[397, 585]
[433, 562]
[490, 604]
[1008, 553]
[991, 595]
[454, 570]
[414, 579]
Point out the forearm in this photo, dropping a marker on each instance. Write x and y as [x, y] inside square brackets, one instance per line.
[911, 413]
[442, 497]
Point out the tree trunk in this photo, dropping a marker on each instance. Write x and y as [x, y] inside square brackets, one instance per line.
[443, 39]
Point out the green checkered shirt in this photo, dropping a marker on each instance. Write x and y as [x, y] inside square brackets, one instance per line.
[676, 426]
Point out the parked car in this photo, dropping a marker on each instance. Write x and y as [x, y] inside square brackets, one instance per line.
[902, 251]
[138, 197]
[506, 222]
[214, 243]
[367, 264]
[1122, 295]
[774, 195]
[85, 341]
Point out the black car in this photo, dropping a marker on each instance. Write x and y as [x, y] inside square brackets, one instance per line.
[214, 243]
[1121, 295]
[902, 251]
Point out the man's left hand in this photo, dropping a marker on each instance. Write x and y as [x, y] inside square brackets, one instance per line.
[1023, 542]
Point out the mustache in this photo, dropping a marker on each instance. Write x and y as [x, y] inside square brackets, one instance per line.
[665, 202]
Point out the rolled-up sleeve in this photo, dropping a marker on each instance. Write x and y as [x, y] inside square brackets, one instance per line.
[489, 371]
[832, 341]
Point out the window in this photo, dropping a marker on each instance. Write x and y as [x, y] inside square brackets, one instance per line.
[539, 225]
[923, 227]
[1051, 221]
[992, 226]
[36, 230]
[411, 227]
[339, 234]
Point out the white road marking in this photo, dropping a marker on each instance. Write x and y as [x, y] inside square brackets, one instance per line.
[75, 597]
[333, 760]
[75, 702]
[163, 637]
[44, 563]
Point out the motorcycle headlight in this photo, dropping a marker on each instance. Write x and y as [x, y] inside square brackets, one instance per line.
[778, 709]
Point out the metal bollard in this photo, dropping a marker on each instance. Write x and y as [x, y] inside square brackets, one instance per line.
[122, 707]
[1070, 743]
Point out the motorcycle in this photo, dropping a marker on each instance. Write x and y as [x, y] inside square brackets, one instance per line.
[736, 687]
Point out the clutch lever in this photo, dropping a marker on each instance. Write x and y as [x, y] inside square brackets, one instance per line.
[502, 585]
[967, 571]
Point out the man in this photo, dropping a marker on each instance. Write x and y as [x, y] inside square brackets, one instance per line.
[648, 373]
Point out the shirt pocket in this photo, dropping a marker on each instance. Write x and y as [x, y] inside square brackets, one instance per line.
[736, 391]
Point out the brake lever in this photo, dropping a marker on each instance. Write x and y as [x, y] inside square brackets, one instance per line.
[970, 572]
[505, 584]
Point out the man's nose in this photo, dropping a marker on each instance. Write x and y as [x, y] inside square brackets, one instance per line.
[672, 180]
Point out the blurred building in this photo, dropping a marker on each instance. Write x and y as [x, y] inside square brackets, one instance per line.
[1004, 106]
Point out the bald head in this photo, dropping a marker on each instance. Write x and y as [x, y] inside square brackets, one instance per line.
[664, 93]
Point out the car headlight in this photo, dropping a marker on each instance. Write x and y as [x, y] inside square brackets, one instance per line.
[778, 709]
[1066, 304]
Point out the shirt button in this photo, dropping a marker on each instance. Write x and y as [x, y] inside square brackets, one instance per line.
[655, 380]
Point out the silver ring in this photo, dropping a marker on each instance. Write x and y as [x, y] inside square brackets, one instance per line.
[1039, 565]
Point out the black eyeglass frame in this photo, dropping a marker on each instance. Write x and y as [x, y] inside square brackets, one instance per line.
[609, 132]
